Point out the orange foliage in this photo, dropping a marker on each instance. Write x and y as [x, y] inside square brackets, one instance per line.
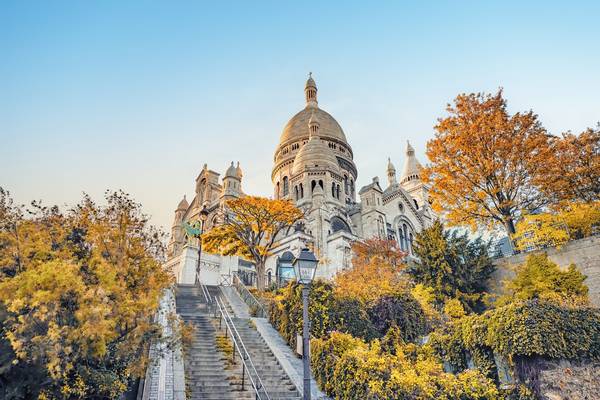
[483, 162]
[575, 176]
[251, 227]
[376, 271]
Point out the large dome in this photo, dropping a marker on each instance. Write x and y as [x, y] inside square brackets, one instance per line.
[297, 127]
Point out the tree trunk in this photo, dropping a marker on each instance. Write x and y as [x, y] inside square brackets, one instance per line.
[509, 225]
[260, 275]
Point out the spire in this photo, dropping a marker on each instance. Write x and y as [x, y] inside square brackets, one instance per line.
[412, 167]
[183, 204]
[313, 126]
[238, 170]
[391, 173]
[310, 91]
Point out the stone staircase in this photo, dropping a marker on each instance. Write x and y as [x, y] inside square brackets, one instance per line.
[209, 372]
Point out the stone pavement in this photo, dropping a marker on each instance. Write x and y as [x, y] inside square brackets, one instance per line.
[291, 364]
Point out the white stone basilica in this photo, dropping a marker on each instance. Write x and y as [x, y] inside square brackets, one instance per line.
[313, 167]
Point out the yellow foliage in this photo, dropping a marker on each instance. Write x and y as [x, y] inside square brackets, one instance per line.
[80, 290]
[250, 229]
[555, 228]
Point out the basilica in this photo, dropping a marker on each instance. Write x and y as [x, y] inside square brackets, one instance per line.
[313, 166]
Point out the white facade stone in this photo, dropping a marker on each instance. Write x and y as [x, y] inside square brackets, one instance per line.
[313, 167]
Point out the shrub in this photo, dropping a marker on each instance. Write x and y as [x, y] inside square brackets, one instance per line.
[401, 310]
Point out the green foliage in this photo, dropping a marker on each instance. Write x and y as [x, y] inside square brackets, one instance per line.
[350, 369]
[402, 311]
[453, 265]
[540, 278]
[520, 330]
[285, 310]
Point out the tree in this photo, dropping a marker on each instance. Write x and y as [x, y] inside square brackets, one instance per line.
[452, 265]
[540, 278]
[78, 292]
[554, 228]
[376, 271]
[250, 229]
[575, 176]
[484, 162]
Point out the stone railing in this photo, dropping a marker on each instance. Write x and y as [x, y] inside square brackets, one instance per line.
[165, 376]
[255, 306]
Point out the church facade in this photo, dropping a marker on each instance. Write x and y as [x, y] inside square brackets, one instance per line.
[313, 167]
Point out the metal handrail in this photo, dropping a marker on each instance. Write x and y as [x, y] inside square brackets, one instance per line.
[246, 295]
[238, 345]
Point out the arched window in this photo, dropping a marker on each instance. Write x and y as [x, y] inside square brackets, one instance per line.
[352, 187]
[312, 186]
[277, 192]
[401, 238]
[338, 224]
[405, 231]
[338, 191]
[346, 184]
[301, 191]
[296, 192]
[321, 184]
[332, 189]
[416, 204]
[286, 186]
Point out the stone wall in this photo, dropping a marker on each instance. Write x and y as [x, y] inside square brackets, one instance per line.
[566, 380]
[584, 253]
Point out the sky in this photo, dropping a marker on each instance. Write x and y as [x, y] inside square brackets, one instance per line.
[139, 95]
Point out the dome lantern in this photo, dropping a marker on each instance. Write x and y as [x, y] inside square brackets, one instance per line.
[391, 173]
[310, 91]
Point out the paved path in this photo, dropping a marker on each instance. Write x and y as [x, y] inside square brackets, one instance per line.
[285, 356]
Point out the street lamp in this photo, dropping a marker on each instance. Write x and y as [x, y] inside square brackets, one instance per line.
[305, 266]
[203, 217]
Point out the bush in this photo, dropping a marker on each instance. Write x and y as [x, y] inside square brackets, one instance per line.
[350, 369]
[401, 310]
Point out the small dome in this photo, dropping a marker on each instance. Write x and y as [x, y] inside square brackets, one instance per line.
[390, 166]
[231, 171]
[183, 204]
[315, 153]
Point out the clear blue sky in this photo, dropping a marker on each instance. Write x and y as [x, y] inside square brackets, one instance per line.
[139, 95]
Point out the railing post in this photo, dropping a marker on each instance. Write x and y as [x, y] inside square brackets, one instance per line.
[243, 374]
[233, 354]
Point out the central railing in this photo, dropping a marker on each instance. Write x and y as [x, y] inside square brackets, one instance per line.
[248, 368]
[255, 306]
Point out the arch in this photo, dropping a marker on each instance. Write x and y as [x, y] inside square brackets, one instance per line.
[332, 189]
[296, 192]
[338, 224]
[301, 191]
[286, 186]
[346, 185]
[321, 184]
[337, 190]
[312, 186]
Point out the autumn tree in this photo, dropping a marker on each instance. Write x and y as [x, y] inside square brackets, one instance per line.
[251, 229]
[575, 174]
[376, 271]
[484, 162]
[78, 293]
[452, 265]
